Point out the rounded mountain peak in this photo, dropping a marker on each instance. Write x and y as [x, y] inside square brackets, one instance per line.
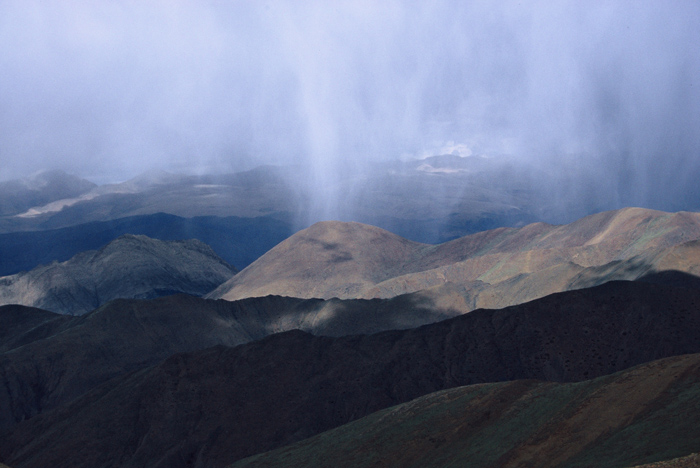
[328, 259]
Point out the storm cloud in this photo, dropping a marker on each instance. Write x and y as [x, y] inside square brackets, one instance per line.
[602, 93]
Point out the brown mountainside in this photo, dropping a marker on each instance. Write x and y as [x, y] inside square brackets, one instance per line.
[690, 461]
[329, 259]
[346, 260]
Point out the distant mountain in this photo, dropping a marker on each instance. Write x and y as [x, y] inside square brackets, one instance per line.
[430, 200]
[645, 414]
[246, 194]
[128, 267]
[239, 241]
[212, 407]
[493, 268]
[452, 199]
[20, 195]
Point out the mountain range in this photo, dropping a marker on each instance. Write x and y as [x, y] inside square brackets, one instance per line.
[214, 406]
[496, 268]
[128, 267]
[493, 268]
[18, 196]
[428, 200]
[49, 359]
[445, 325]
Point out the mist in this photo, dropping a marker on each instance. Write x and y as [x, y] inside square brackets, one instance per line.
[602, 97]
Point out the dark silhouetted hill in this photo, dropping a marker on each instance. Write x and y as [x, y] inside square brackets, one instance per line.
[51, 359]
[641, 415]
[212, 407]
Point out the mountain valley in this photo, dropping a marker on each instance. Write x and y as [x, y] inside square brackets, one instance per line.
[238, 241]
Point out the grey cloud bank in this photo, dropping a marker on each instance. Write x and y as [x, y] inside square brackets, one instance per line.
[604, 96]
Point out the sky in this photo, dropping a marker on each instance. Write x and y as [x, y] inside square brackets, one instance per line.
[606, 91]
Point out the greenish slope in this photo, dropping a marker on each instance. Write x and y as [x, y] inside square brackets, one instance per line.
[691, 461]
[642, 415]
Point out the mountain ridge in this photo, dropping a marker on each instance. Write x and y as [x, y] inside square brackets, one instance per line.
[40, 188]
[214, 406]
[61, 357]
[488, 261]
[239, 241]
[596, 422]
[131, 266]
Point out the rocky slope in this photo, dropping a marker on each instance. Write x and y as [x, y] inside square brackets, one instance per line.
[494, 268]
[22, 325]
[128, 267]
[644, 414]
[690, 461]
[211, 407]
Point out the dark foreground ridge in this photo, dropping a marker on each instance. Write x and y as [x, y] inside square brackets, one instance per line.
[212, 407]
[50, 359]
[645, 414]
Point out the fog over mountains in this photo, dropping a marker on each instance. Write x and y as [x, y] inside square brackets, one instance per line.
[599, 101]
